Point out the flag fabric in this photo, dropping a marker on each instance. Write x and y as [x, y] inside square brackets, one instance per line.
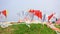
[37, 13]
[50, 16]
[4, 12]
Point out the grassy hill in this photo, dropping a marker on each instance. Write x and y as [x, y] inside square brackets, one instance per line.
[24, 29]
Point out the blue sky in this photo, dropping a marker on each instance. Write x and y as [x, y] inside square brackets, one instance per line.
[16, 6]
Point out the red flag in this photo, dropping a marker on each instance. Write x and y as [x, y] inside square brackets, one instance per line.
[38, 13]
[50, 16]
[4, 13]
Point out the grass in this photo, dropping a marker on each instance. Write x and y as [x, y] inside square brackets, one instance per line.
[24, 29]
[58, 26]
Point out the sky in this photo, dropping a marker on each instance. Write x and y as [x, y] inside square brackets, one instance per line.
[15, 6]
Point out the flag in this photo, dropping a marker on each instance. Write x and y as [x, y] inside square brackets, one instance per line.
[4, 12]
[50, 16]
[37, 13]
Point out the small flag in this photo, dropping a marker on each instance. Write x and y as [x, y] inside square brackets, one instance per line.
[4, 12]
[37, 13]
[50, 16]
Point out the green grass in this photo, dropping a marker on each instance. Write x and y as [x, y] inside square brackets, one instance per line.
[23, 29]
[58, 26]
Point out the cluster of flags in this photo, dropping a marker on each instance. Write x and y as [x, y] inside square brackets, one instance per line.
[38, 13]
